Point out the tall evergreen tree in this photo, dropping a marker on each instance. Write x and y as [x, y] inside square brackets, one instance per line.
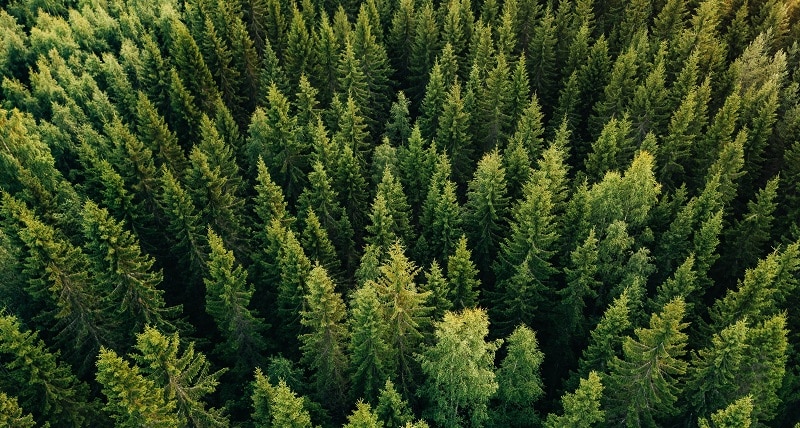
[485, 211]
[134, 400]
[127, 275]
[45, 385]
[184, 376]
[644, 383]
[369, 352]
[324, 345]
[582, 407]
[392, 410]
[227, 299]
[462, 277]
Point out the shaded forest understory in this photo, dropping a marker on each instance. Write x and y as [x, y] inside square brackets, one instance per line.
[400, 213]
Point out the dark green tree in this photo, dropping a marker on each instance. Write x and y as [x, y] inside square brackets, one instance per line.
[486, 208]
[392, 410]
[462, 277]
[453, 136]
[369, 352]
[324, 345]
[227, 299]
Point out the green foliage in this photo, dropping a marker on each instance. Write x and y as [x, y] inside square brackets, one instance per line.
[392, 410]
[458, 369]
[369, 352]
[11, 413]
[737, 414]
[227, 300]
[518, 379]
[582, 407]
[644, 383]
[324, 345]
[462, 278]
[45, 384]
[134, 400]
[363, 417]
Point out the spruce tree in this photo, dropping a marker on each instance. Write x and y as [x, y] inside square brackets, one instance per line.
[127, 275]
[486, 207]
[439, 288]
[582, 407]
[644, 383]
[452, 135]
[392, 410]
[133, 399]
[369, 352]
[11, 413]
[184, 376]
[462, 277]
[227, 300]
[45, 385]
[324, 345]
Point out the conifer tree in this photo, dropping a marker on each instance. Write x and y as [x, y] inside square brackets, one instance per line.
[605, 341]
[452, 135]
[405, 316]
[298, 58]
[324, 345]
[380, 228]
[375, 67]
[273, 135]
[433, 103]
[529, 129]
[415, 163]
[130, 282]
[398, 127]
[294, 268]
[152, 129]
[227, 299]
[45, 385]
[424, 46]
[184, 376]
[582, 284]
[462, 277]
[492, 100]
[11, 413]
[486, 207]
[392, 410]
[437, 285]
[523, 269]
[285, 408]
[321, 196]
[644, 383]
[582, 407]
[58, 278]
[369, 352]
[458, 369]
[737, 414]
[542, 57]
[397, 204]
[518, 379]
[134, 400]
[183, 224]
[318, 246]
[363, 417]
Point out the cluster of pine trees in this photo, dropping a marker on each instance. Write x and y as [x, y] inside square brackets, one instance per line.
[411, 213]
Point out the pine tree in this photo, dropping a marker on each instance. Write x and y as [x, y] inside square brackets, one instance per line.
[458, 369]
[58, 278]
[644, 383]
[227, 300]
[363, 417]
[318, 246]
[45, 385]
[273, 135]
[298, 58]
[285, 407]
[433, 103]
[152, 130]
[462, 277]
[214, 192]
[397, 204]
[369, 352]
[518, 378]
[184, 376]
[424, 46]
[437, 285]
[398, 127]
[523, 269]
[183, 224]
[11, 413]
[324, 345]
[134, 400]
[452, 135]
[737, 414]
[375, 67]
[320, 196]
[529, 129]
[582, 284]
[293, 267]
[492, 99]
[127, 275]
[748, 235]
[392, 410]
[582, 407]
[486, 207]
[605, 340]
[405, 316]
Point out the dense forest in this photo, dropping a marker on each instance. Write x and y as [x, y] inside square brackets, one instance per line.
[400, 213]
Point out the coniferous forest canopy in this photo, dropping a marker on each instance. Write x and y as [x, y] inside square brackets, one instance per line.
[400, 213]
